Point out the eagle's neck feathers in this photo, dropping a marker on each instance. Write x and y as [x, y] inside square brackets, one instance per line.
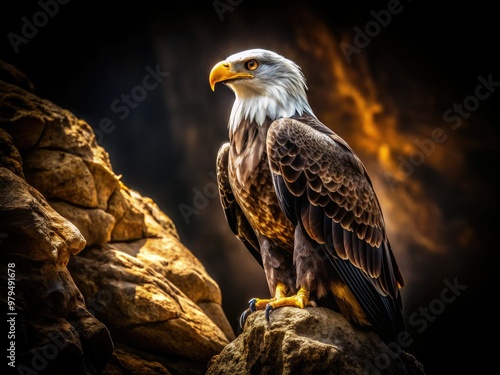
[276, 103]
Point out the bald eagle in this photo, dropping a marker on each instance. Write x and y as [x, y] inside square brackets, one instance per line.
[298, 197]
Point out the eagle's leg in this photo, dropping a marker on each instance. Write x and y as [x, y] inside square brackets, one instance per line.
[261, 304]
[301, 300]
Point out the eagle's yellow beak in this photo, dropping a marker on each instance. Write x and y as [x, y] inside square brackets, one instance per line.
[222, 72]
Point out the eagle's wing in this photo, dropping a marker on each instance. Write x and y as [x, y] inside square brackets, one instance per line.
[234, 215]
[323, 186]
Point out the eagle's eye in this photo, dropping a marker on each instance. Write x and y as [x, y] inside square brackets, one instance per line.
[252, 64]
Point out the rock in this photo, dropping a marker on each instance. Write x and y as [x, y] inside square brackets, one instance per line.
[169, 257]
[131, 219]
[138, 217]
[10, 74]
[214, 311]
[33, 229]
[137, 301]
[24, 115]
[105, 181]
[85, 220]
[54, 332]
[129, 361]
[106, 282]
[10, 158]
[59, 175]
[308, 341]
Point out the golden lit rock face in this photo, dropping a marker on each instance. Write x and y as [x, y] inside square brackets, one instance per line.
[139, 301]
[59, 195]
[32, 227]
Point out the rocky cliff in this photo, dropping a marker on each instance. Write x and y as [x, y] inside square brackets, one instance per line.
[99, 279]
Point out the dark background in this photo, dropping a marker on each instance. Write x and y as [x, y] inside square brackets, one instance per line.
[441, 217]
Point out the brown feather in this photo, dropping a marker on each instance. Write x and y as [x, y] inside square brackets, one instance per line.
[338, 241]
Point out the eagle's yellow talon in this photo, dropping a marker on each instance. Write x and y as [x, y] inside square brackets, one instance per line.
[280, 299]
[301, 300]
[258, 304]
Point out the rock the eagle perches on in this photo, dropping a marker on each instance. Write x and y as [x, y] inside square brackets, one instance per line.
[299, 198]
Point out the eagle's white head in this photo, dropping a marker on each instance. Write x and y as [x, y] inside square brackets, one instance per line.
[265, 85]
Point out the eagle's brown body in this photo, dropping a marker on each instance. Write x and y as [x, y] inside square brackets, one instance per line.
[252, 184]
